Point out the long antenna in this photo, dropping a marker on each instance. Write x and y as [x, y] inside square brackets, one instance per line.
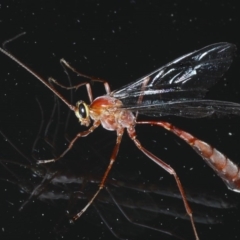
[72, 107]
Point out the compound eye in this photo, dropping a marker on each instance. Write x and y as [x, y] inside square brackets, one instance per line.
[82, 113]
[82, 110]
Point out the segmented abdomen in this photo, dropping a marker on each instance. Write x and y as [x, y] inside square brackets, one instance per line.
[223, 166]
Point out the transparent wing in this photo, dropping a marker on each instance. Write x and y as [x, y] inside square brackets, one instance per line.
[177, 87]
[187, 77]
[188, 108]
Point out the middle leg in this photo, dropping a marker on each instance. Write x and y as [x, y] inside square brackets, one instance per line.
[102, 183]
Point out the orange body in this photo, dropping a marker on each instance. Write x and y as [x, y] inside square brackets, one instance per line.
[108, 110]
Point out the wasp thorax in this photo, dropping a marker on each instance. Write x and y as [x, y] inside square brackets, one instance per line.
[82, 113]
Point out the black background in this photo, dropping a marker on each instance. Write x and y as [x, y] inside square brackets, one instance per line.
[119, 41]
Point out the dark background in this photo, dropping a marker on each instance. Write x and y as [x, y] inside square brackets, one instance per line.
[119, 41]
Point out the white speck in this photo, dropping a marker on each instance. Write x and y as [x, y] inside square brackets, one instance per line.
[230, 134]
[42, 214]
[191, 169]
[3, 229]
[172, 15]
[93, 39]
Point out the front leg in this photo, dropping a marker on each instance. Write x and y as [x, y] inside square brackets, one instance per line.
[81, 134]
[87, 84]
[93, 79]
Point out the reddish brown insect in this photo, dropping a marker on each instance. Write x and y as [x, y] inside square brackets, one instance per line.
[174, 89]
